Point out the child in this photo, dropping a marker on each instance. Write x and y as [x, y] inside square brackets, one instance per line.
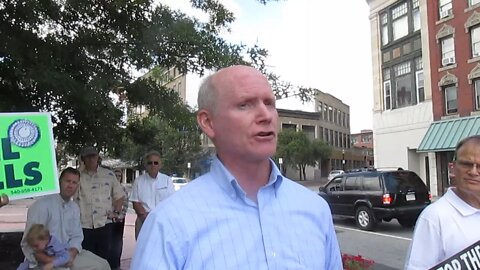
[48, 250]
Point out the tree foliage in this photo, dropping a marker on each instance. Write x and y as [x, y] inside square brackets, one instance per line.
[178, 141]
[70, 57]
[298, 151]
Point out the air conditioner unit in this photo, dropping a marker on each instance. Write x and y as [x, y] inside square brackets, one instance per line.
[445, 13]
[448, 61]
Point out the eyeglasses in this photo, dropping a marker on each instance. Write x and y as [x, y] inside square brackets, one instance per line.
[467, 165]
[153, 162]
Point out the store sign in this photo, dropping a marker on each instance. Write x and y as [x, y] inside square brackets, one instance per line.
[27, 155]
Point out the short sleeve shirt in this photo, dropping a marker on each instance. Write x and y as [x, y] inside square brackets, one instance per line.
[95, 197]
[151, 191]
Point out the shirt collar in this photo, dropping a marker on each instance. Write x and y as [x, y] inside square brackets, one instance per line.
[464, 208]
[230, 185]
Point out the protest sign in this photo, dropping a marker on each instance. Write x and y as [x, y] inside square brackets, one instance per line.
[27, 155]
[467, 259]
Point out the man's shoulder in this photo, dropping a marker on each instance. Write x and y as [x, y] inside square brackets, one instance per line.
[105, 172]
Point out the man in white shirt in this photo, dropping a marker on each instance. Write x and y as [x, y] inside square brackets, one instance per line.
[450, 224]
[149, 189]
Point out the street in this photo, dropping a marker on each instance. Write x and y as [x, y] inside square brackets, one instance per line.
[387, 245]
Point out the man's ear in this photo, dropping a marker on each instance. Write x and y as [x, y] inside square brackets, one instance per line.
[451, 173]
[204, 120]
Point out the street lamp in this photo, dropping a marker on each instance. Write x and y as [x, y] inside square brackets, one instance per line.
[343, 159]
[189, 165]
[280, 162]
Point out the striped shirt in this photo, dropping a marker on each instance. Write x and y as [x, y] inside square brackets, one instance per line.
[211, 224]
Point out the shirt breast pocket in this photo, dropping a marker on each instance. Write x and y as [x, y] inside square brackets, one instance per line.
[160, 193]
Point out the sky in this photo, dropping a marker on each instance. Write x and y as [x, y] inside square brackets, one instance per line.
[321, 44]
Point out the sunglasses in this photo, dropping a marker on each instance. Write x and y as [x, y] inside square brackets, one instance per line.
[152, 162]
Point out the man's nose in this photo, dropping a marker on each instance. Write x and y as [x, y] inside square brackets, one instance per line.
[265, 112]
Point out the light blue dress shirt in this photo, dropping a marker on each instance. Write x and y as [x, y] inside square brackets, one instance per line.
[211, 224]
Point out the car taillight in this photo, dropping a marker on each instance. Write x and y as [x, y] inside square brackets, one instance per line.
[387, 199]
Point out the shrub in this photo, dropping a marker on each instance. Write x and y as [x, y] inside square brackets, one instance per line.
[357, 262]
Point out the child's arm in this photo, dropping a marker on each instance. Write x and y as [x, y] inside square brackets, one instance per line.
[60, 251]
[42, 257]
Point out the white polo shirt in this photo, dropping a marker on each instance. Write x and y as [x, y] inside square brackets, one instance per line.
[151, 191]
[443, 229]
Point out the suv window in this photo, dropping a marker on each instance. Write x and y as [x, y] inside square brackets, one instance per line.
[371, 183]
[398, 181]
[335, 185]
[352, 183]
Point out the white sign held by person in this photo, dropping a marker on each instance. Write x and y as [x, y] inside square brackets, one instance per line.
[467, 259]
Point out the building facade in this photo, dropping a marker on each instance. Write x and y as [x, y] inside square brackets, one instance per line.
[363, 142]
[454, 46]
[402, 110]
[331, 124]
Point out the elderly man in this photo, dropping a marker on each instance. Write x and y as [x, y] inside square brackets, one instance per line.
[243, 214]
[61, 215]
[450, 224]
[149, 189]
[98, 194]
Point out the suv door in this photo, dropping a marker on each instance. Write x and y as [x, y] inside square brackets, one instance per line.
[332, 193]
[352, 193]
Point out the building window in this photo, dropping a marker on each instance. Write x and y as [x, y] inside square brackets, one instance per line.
[403, 87]
[384, 22]
[419, 80]
[477, 94]
[473, 2]
[387, 90]
[416, 15]
[400, 21]
[448, 51]
[475, 37]
[451, 99]
[444, 8]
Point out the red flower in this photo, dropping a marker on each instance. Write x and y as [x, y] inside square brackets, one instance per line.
[351, 262]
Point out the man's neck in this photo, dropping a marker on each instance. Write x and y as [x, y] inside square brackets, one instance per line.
[251, 176]
[65, 199]
[91, 171]
[153, 175]
[470, 198]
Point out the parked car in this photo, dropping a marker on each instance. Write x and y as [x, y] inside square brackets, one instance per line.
[179, 182]
[334, 173]
[373, 196]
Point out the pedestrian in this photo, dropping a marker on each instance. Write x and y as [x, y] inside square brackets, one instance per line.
[150, 188]
[4, 200]
[118, 226]
[49, 251]
[61, 216]
[450, 224]
[243, 214]
[98, 194]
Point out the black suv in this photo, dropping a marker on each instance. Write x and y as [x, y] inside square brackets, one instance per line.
[373, 196]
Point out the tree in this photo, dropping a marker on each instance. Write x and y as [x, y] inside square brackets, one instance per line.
[299, 151]
[178, 141]
[70, 57]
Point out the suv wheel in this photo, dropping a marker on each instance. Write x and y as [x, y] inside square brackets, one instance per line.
[364, 218]
[407, 222]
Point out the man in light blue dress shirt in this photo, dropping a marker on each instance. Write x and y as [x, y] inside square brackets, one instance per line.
[243, 214]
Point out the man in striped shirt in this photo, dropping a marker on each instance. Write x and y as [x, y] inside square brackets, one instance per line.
[243, 214]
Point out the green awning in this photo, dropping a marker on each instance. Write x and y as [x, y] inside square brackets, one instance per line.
[444, 135]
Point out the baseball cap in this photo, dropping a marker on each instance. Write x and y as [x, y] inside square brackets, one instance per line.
[88, 151]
